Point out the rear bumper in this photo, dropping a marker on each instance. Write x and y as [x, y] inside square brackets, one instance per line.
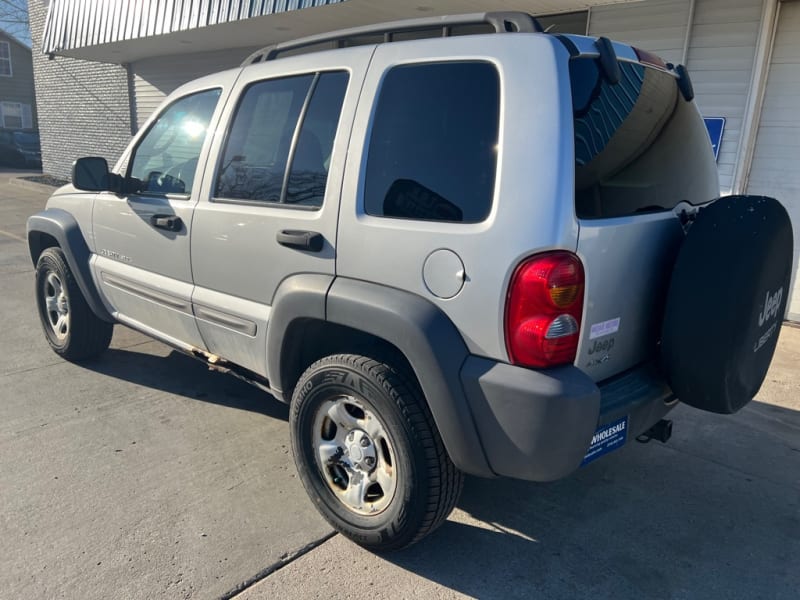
[537, 425]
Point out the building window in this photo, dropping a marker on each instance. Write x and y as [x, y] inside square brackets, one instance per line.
[5, 59]
[14, 115]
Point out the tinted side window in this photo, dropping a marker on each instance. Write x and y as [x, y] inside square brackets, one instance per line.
[433, 148]
[257, 150]
[639, 147]
[267, 141]
[165, 161]
[311, 157]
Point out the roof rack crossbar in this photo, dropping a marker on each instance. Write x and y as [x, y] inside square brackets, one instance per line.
[501, 22]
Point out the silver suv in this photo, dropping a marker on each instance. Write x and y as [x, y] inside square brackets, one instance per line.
[453, 245]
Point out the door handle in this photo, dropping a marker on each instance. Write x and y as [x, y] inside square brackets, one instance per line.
[301, 240]
[168, 222]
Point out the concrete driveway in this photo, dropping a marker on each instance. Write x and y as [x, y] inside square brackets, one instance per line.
[143, 475]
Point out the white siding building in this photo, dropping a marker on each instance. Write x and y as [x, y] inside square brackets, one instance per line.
[743, 56]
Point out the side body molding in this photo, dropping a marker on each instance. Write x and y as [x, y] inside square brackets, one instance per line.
[62, 226]
[433, 347]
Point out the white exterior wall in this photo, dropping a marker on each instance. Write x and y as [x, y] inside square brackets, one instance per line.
[775, 171]
[658, 26]
[154, 78]
[566, 23]
[721, 51]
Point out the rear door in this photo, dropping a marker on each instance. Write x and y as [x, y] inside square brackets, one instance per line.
[274, 183]
[642, 156]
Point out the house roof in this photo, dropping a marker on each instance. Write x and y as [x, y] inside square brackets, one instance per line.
[11, 38]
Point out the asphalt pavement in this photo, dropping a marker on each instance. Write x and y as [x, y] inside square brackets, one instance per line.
[144, 475]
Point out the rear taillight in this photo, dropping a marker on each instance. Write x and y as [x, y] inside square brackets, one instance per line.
[543, 310]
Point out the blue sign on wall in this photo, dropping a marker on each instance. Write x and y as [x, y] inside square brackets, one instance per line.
[715, 126]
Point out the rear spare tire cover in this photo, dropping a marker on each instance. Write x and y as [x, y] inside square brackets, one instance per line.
[726, 301]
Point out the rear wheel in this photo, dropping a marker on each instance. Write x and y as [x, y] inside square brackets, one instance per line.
[71, 328]
[369, 454]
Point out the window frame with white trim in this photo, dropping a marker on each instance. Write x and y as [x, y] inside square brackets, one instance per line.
[22, 112]
[5, 57]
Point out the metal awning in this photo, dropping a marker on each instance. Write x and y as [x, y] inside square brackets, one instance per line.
[123, 31]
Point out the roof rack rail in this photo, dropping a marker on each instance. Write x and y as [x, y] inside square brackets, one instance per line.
[502, 22]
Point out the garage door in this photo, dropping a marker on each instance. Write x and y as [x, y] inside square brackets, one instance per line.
[775, 169]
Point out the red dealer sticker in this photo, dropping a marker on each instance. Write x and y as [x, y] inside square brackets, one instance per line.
[608, 437]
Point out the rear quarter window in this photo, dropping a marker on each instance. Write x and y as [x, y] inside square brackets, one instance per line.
[639, 146]
[432, 153]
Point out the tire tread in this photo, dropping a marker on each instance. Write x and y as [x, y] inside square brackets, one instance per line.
[89, 335]
[445, 481]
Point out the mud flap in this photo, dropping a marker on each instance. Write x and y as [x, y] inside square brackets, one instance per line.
[726, 300]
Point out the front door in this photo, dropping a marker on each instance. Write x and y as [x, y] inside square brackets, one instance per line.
[142, 262]
[270, 209]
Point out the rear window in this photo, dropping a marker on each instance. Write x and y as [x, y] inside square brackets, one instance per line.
[639, 146]
[433, 146]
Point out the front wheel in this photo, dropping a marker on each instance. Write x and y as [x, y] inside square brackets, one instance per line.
[369, 454]
[71, 328]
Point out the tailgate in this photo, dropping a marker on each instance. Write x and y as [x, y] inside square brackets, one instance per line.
[642, 157]
[628, 263]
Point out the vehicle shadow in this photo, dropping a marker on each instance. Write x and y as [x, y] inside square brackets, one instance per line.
[713, 514]
[185, 376]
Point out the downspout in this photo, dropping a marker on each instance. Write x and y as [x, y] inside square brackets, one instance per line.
[688, 37]
[132, 114]
[755, 99]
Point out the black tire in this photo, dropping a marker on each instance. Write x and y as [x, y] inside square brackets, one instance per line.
[726, 301]
[427, 483]
[80, 335]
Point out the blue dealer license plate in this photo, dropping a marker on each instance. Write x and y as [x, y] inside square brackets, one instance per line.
[608, 437]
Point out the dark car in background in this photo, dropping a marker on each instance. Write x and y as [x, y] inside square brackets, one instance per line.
[20, 148]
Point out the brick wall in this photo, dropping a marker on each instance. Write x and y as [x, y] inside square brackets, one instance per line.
[83, 106]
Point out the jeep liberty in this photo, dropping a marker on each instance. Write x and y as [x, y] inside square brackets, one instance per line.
[454, 245]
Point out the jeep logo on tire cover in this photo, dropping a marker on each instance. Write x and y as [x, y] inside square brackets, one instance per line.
[771, 304]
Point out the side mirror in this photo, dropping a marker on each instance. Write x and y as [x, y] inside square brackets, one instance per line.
[91, 174]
